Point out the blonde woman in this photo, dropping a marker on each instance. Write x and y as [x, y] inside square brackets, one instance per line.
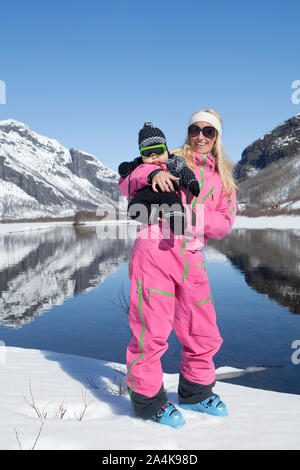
[197, 143]
[169, 285]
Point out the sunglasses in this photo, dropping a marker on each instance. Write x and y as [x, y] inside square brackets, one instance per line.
[207, 131]
[154, 150]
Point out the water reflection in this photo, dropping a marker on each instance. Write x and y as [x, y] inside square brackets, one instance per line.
[270, 261]
[39, 269]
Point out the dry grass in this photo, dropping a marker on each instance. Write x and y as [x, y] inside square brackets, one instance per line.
[60, 411]
[119, 387]
[41, 413]
[36, 439]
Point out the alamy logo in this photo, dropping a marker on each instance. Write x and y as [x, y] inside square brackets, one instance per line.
[296, 94]
[2, 92]
[296, 353]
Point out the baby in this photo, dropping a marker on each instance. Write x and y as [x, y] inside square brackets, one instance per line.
[154, 151]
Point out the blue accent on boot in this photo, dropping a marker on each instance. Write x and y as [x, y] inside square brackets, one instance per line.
[169, 415]
[212, 405]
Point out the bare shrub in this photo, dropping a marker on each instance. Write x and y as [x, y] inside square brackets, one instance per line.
[119, 387]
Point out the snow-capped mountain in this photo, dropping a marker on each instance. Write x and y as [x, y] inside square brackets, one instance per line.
[41, 178]
[268, 174]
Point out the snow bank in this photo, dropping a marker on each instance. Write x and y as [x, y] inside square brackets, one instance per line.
[15, 227]
[26, 226]
[63, 387]
[279, 222]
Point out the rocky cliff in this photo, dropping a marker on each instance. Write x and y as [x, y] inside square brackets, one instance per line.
[268, 174]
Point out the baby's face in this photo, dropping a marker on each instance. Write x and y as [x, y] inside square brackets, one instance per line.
[161, 159]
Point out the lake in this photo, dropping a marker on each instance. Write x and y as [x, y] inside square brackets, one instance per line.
[64, 289]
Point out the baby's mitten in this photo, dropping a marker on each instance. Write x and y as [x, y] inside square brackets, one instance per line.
[194, 187]
[125, 169]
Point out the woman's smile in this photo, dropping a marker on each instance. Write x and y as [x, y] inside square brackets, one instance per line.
[200, 144]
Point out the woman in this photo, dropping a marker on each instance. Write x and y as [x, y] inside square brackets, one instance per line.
[169, 285]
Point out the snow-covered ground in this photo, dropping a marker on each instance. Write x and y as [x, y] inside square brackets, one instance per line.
[79, 410]
[280, 222]
[15, 227]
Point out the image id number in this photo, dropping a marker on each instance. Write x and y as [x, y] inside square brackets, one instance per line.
[175, 459]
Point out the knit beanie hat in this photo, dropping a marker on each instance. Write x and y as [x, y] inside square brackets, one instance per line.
[150, 135]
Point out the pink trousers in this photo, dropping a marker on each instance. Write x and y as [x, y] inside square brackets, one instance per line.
[169, 290]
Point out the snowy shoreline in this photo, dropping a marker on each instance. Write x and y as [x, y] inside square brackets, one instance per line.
[280, 222]
[69, 385]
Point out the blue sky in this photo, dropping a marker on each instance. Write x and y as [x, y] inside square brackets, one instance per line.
[90, 73]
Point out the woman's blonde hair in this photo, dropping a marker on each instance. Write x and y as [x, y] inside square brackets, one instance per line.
[224, 165]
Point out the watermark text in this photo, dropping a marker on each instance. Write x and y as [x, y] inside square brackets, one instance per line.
[296, 95]
[2, 92]
[156, 221]
[296, 354]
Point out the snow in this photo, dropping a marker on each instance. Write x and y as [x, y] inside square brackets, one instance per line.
[74, 395]
[280, 222]
[47, 166]
[16, 227]
[252, 172]
[64, 387]
[283, 141]
[212, 254]
[290, 205]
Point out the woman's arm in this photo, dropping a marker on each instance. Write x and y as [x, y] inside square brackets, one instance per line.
[218, 222]
[140, 178]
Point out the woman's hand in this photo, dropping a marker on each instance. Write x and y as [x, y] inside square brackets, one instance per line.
[164, 181]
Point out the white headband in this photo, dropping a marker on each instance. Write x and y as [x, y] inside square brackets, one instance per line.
[206, 117]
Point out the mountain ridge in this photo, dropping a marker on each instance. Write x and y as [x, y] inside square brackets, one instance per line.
[268, 174]
[42, 178]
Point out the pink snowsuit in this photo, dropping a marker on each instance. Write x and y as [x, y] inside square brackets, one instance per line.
[170, 290]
